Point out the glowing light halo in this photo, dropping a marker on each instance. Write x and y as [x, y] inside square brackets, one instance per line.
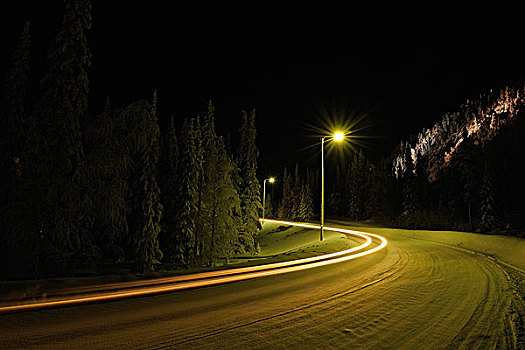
[217, 277]
[338, 136]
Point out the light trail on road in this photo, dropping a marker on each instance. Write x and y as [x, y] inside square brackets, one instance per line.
[108, 292]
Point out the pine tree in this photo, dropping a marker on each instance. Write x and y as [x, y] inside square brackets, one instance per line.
[296, 195]
[25, 245]
[373, 196]
[489, 218]
[268, 206]
[15, 91]
[354, 210]
[188, 194]
[470, 171]
[169, 193]
[312, 180]
[336, 195]
[200, 223]
[224, 240]
[306, 210]
[61, 109]
[13, 132]
[410, 197]
[106, 173]
[210, 187]
[63, 106]
[250, 187]
[145, 239]
[285, 209]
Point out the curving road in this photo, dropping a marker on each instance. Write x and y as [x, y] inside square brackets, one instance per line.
[413, 294]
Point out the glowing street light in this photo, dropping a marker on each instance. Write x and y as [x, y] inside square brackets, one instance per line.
[338, 136]
[270, 180]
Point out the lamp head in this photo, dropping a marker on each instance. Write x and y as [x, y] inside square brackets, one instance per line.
[272, 180]
[338, 136]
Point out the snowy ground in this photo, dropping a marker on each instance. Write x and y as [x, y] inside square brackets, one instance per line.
[425, 290]
[281, 241]
[278, 243]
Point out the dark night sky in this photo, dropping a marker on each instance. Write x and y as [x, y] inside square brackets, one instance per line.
[402, 66]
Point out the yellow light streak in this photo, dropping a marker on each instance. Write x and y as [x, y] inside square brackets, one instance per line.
[204, 279]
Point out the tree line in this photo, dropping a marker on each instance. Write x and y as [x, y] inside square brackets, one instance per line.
[79, 188]
[464, 173]
[297, 200]
[357, 191]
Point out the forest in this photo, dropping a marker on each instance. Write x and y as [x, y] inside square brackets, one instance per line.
[84, 187]
[464, 173]
[82, 190]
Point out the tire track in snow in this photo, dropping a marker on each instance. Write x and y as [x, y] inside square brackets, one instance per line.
[169, 344]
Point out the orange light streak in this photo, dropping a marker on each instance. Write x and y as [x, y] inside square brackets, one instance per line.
[204, 279]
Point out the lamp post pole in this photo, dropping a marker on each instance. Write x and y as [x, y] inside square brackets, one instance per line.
[264, 198]
[338, 136]
[322, 189]
[271, 180]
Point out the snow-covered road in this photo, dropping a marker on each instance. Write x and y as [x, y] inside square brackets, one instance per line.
[414, 294]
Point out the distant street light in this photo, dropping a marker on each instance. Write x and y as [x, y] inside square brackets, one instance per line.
[270, 180]
[338, 136]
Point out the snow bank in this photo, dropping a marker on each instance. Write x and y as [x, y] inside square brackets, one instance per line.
[510, 250]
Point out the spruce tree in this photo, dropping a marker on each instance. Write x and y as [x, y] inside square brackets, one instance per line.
[471, 172]
[13, 132]
[312, 180]
[106, 173]
[373, 197]
[250, 187]
[170, 193]
[285, 209]
[489, 218]
[61, 109]
[268, 206]
[145, 239]
[210, 186]
[296, 195]
[410, 197]
[200, 222]
[24, 242]
[336, 195]
[188, 196]
[306, 210]
[63, 106]
[353, 189]
[15, 92]
[227, 219]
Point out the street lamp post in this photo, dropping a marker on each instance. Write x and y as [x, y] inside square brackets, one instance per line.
[270, 180]
[338, 136]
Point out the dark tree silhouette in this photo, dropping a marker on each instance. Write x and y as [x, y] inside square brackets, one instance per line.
[170, 181]
[13, 133]
[210, 187]
[61, 109]
[106, 177]
[250, 187]
[489, 218]
[144, 238]
[285, 209]
[15, 92]
[188, 194]
[227, 219]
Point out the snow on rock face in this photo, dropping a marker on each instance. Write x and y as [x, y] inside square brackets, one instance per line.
[480, 121]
